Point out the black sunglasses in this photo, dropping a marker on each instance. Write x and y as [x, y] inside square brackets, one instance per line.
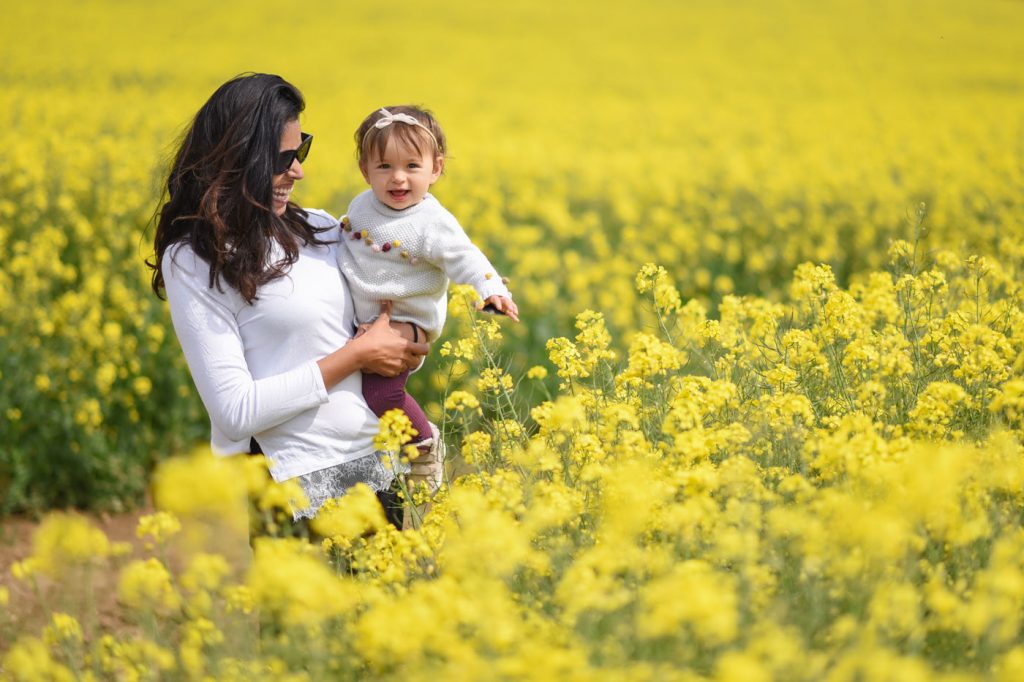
[287, 158]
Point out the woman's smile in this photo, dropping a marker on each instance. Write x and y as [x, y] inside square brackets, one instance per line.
[284, 182]
[281, 195]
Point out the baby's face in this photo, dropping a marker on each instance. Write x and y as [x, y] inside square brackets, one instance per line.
[401, 177]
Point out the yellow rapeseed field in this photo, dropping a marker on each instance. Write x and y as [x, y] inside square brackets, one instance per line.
[762, 419]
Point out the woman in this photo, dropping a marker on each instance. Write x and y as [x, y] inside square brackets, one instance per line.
[258, 304]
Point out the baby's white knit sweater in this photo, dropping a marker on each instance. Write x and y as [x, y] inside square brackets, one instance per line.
[408, 257]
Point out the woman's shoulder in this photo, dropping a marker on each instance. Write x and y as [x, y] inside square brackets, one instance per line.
[324, 223]
[317, 217]
[180, 259]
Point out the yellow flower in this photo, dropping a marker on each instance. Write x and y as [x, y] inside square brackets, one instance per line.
[66, 540]
[1010, 667]
[197, 634]
[566, 357]
[1010, 401]
[142, 386]
[741, 666]
[62, 628]
[895, 610]
[459, 401]
[537, 372]
[286, 495]
[565, 415]
[593, 338]
[239, 598]
[29, 659]
[133, 659]
[350, 516]
[294, 587]
[145, 585]
[159, 527]
[804, 354]
[106, 375]
[655, 278]
[899, 251]
[464, 349]
[476, 447]
[89, 414]
[812, 283]
[649, 357]
[395, 431]
[256, 475]
[934, 415]
[692, 594]
[203, 486]
[205, 572]
[494, 380]
[23, 570]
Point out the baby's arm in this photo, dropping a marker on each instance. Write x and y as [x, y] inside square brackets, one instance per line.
[448, 246]
[500, 305]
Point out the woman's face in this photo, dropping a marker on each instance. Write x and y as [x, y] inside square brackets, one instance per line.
[285, 182]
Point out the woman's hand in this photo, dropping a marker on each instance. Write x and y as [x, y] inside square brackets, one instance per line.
[386, 352]
[378, 350]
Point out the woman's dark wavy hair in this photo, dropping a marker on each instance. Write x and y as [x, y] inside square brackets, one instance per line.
[219, 193]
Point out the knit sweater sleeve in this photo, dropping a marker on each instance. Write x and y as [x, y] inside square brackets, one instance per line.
[447, 246]
[239, 405]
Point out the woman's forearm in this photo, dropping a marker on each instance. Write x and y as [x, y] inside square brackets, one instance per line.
[341, 363]
[381, 350]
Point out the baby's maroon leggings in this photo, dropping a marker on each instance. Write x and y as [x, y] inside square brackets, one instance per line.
[386, 393]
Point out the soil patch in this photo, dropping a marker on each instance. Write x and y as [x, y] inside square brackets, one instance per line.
[25, 613]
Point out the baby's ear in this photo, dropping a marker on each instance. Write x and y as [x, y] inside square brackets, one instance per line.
[362, 169]
[438, 166]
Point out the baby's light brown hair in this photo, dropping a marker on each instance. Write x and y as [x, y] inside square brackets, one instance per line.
[372, 141]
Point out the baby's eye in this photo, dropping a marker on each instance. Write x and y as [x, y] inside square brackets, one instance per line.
[414, 165]
[384, 166]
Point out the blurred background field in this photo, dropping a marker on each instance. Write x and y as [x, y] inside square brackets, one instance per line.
[726, 142]
[762, 419]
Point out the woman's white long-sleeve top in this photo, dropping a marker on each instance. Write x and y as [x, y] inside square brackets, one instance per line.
[255, 365]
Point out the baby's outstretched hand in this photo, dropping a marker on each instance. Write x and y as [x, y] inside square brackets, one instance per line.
[501, 304]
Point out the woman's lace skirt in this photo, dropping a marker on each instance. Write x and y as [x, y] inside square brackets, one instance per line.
[378, 471]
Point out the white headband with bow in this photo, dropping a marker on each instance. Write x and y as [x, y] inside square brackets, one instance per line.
[388, 118]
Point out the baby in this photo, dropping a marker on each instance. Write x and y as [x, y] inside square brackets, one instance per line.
[400, 244]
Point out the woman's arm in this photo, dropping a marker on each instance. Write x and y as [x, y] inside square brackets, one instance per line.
[381, 350]
[239, 406]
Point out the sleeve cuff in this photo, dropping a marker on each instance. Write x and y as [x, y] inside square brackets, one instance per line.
[492, 287]
[317, 378]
